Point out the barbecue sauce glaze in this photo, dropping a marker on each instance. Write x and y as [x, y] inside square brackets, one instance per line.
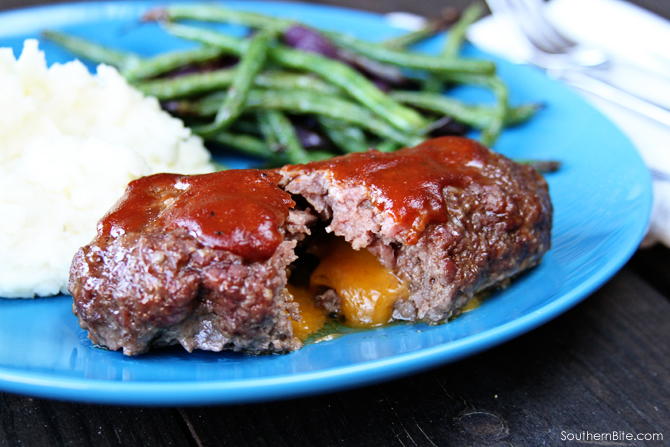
[409, 183]
[241, 211]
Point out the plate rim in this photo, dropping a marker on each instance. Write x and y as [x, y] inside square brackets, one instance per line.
[157, 393]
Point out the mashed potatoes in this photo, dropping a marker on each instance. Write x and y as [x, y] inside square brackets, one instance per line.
[69, 143]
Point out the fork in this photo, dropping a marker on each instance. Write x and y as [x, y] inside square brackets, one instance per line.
[569, 61]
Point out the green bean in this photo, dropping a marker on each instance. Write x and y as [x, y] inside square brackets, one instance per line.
[317, 155]
[218, 166]
[245, 144]
[343, 76]
[187, 85]
[267, 131]
[432, 84]
[230, 44]
[132, 66]
[354, 83]
[499, 89]
[92, 51]
[345, 136]
[374, 51]
[413, 60]
[311, 103]
[304, 102]
[198, 83]
[520, 114]
[163, 63]
[250, 64]
[476, 116]
[276, 126]
[447, 18]
[388, 146]
[284, 80]
[248, 125]
[411, 38]
[209, 13]
[456, 34]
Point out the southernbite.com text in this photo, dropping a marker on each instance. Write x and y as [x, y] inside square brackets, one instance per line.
[616, 435]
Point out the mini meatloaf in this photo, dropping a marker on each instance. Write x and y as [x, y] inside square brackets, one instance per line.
[204, 261]
[195, 260]
[449, 217]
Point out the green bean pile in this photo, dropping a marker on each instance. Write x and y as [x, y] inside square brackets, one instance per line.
[252, 106]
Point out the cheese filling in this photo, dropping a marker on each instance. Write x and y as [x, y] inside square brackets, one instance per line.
[312, 317]
[368, 290]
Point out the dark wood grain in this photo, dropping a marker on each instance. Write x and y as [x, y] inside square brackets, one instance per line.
[603, 366]
[39, 422]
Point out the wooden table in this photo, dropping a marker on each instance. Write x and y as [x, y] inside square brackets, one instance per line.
[603, 366]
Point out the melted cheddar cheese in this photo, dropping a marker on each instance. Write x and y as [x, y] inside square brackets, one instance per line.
[312, 318]
[474, 303]
[368, 289]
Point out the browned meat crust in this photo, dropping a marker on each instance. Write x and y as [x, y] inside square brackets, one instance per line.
[145, 284]
[169, 289]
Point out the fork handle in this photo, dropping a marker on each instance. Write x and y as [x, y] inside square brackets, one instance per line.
[614, 95]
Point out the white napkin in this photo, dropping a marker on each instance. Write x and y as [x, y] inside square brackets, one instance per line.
[633, 37]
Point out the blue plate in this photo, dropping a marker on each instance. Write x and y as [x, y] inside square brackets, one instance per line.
[602, 199]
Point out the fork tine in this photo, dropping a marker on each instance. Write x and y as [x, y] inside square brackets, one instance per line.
[531, 21]
[537, 8]
[529, 28]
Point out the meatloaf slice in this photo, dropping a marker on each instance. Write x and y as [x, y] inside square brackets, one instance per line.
[449, 216]
[200, 261]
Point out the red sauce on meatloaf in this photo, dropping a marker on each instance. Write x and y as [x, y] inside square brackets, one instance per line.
[241, 211]
[409, 183]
